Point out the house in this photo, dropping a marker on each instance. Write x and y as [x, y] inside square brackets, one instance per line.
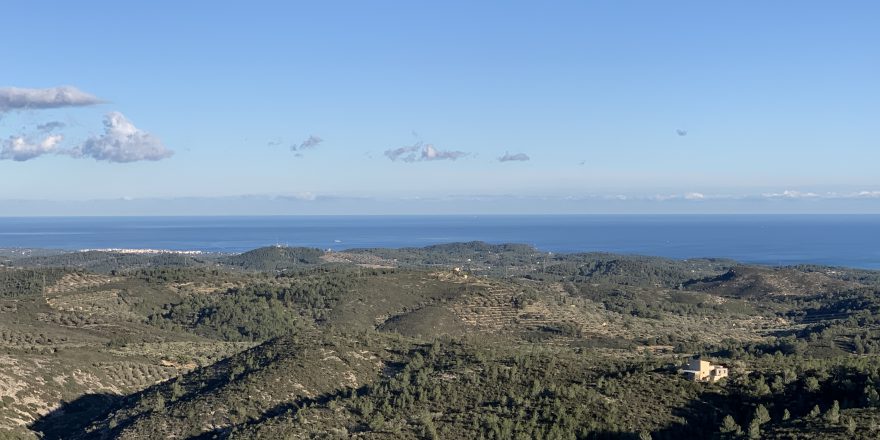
[699, 370]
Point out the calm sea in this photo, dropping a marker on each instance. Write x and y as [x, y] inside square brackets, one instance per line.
[844, 240]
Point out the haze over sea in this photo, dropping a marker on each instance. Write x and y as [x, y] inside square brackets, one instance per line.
[839, 240]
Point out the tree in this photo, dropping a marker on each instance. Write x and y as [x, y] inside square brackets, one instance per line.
[812, 384]
[859, 345]
[176, 390]
[872, 397]
[762, 415]
[761, 387]
[430, 430]
[159, 403]
[833, 413]
[754, 429]
[377, 422]
[729, 426]
[778, 384]
[850, 424]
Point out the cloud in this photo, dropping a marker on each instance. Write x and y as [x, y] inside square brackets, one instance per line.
[420, 152]
[688, 196]
[405, 152]
[20, 149]
[681, 132]
[301, 196]
[664, 197]
[799, 195]
[51, 126]
[868, 194]
[788, 194]
[312, 142]
[520, 157]
[13, 98]
[122, 142]
[431, 153]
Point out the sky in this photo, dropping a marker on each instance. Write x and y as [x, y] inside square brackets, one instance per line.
[410, 107]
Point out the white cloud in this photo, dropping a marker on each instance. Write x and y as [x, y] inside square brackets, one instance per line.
[13, 98]
[431, 153]
[122, 142]
[419, 152]
[694, 196]
[302, 196]
[521, 157]
[789, 194]
[868, 194]
[20, 149]
[663, 197]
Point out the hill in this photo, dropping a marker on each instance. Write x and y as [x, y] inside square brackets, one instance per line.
[274, 258]
[292, 342]
[757, 281]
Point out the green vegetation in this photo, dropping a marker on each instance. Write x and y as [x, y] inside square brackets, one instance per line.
[274, 258]
[398, 343]
[22, 283]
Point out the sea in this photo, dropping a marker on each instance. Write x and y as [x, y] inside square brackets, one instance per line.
[837, 240]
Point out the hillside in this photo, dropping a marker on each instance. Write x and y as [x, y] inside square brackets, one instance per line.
[760, 281]
[291, 342]
[273, 258]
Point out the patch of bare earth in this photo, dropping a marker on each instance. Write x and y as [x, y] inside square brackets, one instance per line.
[76, 281]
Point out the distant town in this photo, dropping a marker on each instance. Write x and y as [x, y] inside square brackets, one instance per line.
[143, 251]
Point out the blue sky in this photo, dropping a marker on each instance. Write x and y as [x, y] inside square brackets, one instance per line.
[779, 102]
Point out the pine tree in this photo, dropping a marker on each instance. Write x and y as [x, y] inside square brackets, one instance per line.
[850, 424]
[833, 413]
[872, 397]
[429, 429]
[761, 387]
[762, 415]
[778, 384]
[754, 429]
[729, 426]
[859, 345]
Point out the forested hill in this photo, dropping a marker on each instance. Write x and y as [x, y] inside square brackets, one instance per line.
[466, 340]
[274, 258]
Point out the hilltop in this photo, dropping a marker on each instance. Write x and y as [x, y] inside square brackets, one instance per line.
[763, 281]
